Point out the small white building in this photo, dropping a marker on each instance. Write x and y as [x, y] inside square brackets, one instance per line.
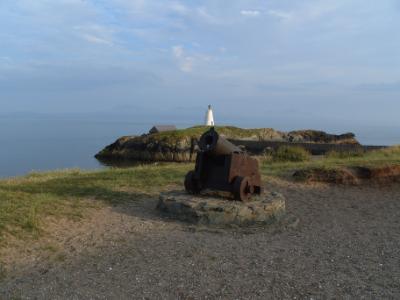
[209, 117]
[161, 128]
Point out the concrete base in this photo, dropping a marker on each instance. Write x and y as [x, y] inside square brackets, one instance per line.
[210, 210]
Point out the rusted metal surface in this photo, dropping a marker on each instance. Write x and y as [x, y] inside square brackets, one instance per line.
[222, 166]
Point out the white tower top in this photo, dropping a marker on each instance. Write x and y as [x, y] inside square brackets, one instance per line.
[209, 117]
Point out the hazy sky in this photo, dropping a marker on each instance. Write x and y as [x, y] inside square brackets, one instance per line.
[334, 61]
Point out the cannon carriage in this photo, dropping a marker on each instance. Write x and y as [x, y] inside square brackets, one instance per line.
[222, 166]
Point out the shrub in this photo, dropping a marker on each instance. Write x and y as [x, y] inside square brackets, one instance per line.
[294, 154]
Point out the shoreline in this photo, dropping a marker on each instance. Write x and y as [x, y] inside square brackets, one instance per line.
[128, 163]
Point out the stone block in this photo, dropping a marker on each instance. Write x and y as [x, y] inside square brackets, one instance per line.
[213, 210]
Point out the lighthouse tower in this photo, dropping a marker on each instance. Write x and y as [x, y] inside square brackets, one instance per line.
[209, 117]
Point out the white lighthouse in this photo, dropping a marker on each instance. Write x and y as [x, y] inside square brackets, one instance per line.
[209, 117]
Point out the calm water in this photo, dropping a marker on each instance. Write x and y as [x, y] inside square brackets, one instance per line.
[46, 144]
[38, 144]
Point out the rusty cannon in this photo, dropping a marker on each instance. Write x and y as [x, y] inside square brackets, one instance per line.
[222, 166]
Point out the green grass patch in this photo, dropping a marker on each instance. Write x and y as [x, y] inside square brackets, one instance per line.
[26, 201]
[197, 131]
[384, 157]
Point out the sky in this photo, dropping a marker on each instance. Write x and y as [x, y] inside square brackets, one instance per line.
[306, 61]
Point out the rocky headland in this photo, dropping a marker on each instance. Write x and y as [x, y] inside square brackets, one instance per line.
[181, 145]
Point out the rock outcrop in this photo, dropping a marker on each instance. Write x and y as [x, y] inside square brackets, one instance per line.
[314, 136]
[210, 210]
[181, 145]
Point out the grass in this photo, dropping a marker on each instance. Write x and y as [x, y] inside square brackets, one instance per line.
[197, 131]
[25, 202]
[389, 156]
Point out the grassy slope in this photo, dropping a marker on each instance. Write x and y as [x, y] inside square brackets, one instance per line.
[199, 130]
[171, 137]
[229, 131]
[390, 156]
[26, 201]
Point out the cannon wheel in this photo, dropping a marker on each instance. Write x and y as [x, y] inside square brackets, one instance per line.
[191, 184]
[242, 189]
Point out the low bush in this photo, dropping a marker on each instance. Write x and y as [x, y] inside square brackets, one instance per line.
[292, 154]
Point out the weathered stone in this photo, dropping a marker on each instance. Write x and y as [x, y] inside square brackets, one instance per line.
[214, 210]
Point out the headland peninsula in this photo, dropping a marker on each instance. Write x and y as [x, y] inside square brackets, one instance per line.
[181, 145]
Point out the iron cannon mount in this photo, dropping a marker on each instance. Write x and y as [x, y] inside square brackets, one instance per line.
[222, 166]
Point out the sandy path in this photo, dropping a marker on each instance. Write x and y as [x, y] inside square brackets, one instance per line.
[347, 245]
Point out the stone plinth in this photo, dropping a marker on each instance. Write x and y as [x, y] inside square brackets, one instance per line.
[210, 210]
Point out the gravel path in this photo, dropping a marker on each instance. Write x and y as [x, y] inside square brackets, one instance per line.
[346, 245]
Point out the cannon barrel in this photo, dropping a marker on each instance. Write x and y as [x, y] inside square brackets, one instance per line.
[211, 142]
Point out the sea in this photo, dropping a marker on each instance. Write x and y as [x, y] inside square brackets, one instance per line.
[32, 143]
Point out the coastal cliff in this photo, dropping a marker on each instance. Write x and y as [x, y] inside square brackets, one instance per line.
[181, 145]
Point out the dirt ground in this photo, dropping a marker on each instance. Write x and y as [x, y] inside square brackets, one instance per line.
[346, 244]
